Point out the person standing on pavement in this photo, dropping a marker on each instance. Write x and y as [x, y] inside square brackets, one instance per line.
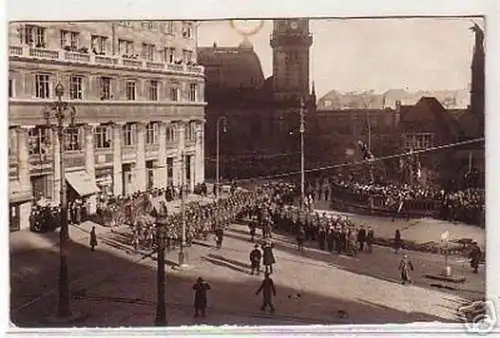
[93, 239]
[253, 229]
[397, 241]
[219, 236]
[370, 238]
[255, 258]
[200, 297]
[475, 257]
[361, 238]
[268, 290]
[301, 235]
[405, 266]
[268, 256]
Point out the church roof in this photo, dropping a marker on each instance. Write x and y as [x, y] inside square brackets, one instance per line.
[231, 67]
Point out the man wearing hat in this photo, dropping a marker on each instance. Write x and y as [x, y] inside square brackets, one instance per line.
[255, 257]
[268, 291]
[200, 296]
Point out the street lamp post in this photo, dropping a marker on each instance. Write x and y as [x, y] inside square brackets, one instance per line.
[182, 253]
[302, 174]
[217, 174]
[60, 110]
[161, 224]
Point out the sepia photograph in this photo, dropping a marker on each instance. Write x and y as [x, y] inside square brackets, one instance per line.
[280, 171]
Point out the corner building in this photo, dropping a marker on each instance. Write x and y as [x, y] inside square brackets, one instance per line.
[138, 95]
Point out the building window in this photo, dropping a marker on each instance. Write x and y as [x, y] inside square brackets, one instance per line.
[153, 90]
[129, 134]
[125, 47]
[42, 86]
[98, 44]
[147, 25]
[130, 90]
[76, 88]
[169, 27]
[39, 141]
[105, 88]
[192, 92]
[72, 139]
[152, 133]
[170, 171]
[12, 142]
[170, 134]
[70, 40]
[168, 55]
[102, 137]
[174, 94]
[11, 88]
[187, 31]
[148, 51]
[34, 35]
[418, 141]
[191, 132]
[126, 23]
[188, 56]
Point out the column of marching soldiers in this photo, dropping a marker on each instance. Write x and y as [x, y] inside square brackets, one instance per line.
[266, 208]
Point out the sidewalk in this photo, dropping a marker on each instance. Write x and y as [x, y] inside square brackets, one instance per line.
[26, 240]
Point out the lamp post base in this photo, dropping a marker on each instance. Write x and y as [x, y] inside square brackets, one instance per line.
[446, 271]
[183, 259]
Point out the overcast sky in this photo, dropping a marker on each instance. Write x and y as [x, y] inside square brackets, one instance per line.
[372, 54]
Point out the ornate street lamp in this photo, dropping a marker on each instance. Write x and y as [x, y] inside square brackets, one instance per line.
[161, 228]
[60, 111]
[302, 169]
[217, 164]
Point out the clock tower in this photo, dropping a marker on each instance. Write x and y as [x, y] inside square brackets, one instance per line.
[290, 41]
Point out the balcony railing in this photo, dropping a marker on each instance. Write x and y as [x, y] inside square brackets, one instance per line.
[44, 53]
[77, 56]
[80, 57]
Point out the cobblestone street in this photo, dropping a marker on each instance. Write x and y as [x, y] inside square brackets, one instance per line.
[116, 287]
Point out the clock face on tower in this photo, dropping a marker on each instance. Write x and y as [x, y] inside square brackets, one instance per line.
[294, 24]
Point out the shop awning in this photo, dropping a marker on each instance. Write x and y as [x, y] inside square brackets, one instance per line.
[82, 182]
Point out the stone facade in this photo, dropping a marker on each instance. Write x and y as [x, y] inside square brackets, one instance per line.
[139, 100]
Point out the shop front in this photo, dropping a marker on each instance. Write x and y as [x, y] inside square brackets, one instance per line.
[19, 209]
[104, 180]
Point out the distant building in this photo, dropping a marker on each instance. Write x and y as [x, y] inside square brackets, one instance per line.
[139, 99]
[262, 114]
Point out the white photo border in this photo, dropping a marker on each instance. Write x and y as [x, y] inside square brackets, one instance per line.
[225, 9]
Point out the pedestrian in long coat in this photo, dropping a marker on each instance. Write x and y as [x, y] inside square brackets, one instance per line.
[219, 235]
[405, 266]
[268, 291]
[330, 239]
[397, 241]
[361, 238]
[93, 239]
[255, 258]
[301, 235]
[200, 297]
[322, 237]
[475, 257]
[370, 238]
[268, 257]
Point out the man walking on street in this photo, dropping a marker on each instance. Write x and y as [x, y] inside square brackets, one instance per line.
[370, 238]
[405, 266]
[361, 238]
[268, 291]
[255, 257]
[93, 239]
[200, 297]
